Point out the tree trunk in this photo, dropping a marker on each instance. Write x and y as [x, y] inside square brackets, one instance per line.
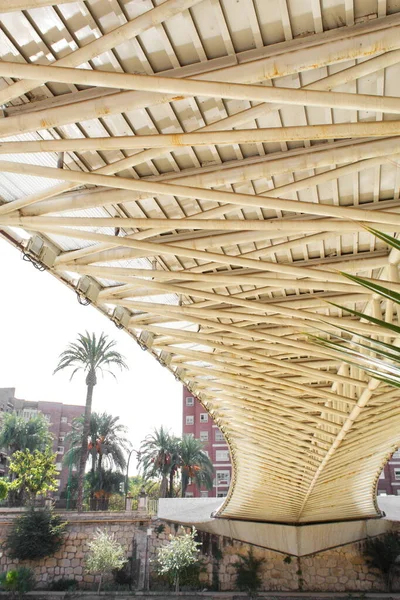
[84, 447]
[93, 469]
[171, 483]
[177, 583]
[100, 471]
[163, 487]
[100, 582]
[184, 484]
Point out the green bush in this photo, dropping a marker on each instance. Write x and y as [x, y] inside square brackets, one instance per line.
[248, 573]
[116, 503]
[63, 585]
[3, 489]
[18, 581]
[382, 553]
[35, 534]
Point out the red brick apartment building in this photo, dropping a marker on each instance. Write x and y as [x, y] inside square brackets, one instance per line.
[59, 417]
[389, 480]
[197, 422]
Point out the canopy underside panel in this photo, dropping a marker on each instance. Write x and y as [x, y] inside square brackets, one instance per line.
[202, 170]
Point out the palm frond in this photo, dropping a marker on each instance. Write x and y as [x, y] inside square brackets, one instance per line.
[379, 358]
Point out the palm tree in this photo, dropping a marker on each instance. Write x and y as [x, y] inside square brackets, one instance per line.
[158, 457]
[92, 356]
[195, 464]
[106, 445]
[18, 434]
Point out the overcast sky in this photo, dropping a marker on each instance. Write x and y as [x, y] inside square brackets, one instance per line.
[39, 317]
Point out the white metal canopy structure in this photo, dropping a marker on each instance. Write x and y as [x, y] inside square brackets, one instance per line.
[201, 171]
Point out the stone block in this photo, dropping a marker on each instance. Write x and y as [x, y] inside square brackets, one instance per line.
[65, 562]
[78, 570]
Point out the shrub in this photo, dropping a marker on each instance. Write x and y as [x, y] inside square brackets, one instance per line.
[18, 581]
[382, 553]
[248, 573]
[124, 575]
[63, 584]
[35, 534]
[116, 503]
[3, 489]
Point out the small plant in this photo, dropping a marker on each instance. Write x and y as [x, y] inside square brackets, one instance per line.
[160, 529]
[248, 577]
[35, 534]
[104, 556]
[63, 585]
[382, 553]
[18, 581]
[287, 560]
[181, 552]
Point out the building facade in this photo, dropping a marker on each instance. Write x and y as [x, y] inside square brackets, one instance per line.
[58, 415]
[389, 480]
[197, 422]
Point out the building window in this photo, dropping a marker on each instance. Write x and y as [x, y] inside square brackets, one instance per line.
[397, 474]
[219, 436]
[382, 494]
[396, 454]
[221, 455]
[223, 477]
[189, 495]
[222, 494]
[204, 436]
[64, 420]
[29, 413]
[58, 482]
[47, 417]
[204, 494]
[60, 450]
[382, 475]
[189, 420]
[189, 401]
[58, 466]
[203, 417]
[61, 438]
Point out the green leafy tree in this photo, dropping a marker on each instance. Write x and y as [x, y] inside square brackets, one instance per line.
[248, 578]
[195, 464]
[181, 552]
[16, 433]
[159, 457]
[17, 582]
[137, 483]
[105, 554]
[91, 355]
[382, 553]
[34, 473]
[35, 534]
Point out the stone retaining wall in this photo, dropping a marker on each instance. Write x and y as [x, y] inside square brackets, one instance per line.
[340, 570]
